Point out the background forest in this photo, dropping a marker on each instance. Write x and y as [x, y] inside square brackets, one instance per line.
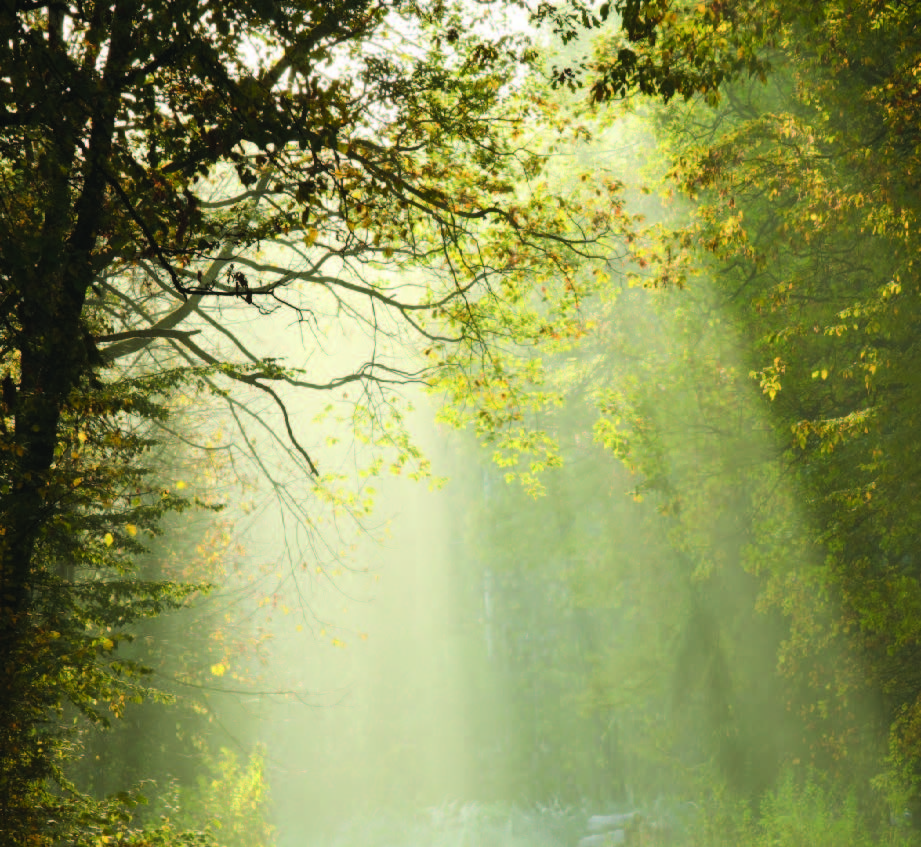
[650, 266]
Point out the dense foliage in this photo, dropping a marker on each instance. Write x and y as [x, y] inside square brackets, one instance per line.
[805, 203]
[744, 368]
[793, 149]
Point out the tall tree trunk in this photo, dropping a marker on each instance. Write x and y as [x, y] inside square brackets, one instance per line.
[55, 354]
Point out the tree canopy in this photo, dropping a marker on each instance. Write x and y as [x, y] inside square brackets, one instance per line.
[381, 175]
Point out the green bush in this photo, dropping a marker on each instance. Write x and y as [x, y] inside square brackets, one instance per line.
[802, 811]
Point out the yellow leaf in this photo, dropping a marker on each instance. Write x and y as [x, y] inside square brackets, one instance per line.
[218, 669]
[81, 436]
[132, 529]
[312, 235]
[77, 481]
[824, 373]
[180, 485]
[108, 539]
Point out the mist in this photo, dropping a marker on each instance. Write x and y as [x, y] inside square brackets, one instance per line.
[468, 663]
[487, 666]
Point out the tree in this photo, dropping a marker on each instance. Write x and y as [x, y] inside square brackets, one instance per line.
[409, 161]
[149, 150]
[70, 672]
[806, 220]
